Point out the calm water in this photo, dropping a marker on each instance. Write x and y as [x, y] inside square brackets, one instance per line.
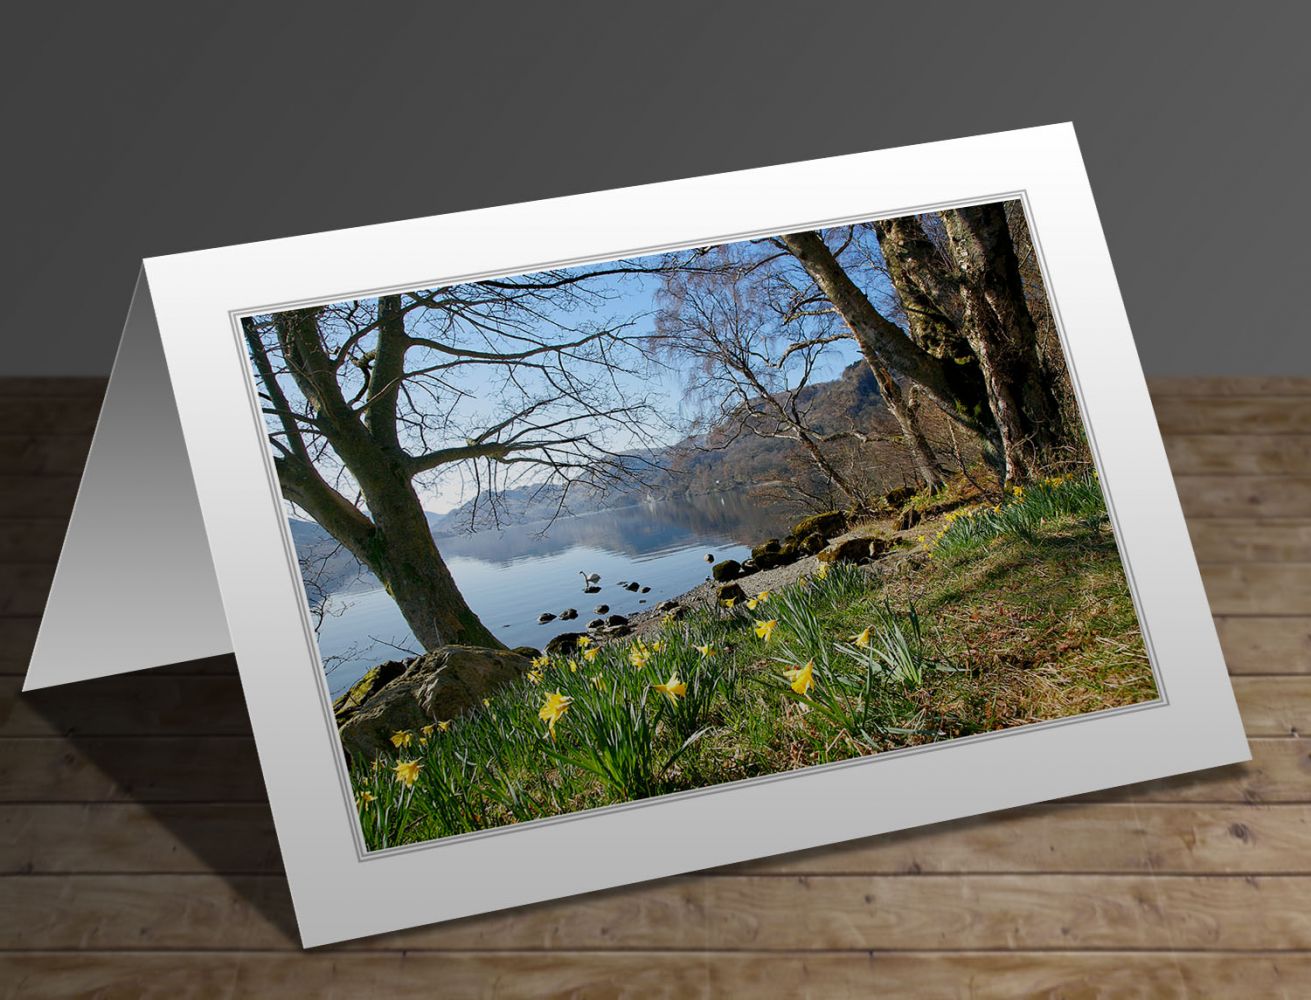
[512, 575]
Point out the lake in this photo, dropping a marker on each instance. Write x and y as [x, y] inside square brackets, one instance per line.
[511, 575]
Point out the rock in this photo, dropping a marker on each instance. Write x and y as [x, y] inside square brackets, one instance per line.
[568, 614]
[532, 652]
[646, 590]
[812, 543]
[601, 609]
[565, 642]
[730, 592]
[729, 569]
[439, 685]
[899, 496]
[615, 631]
[545, 617]
[676, 613]
[854, 550]
[374, 680]
[596, 623]
[591, 589]
[710, 557]
[667, 605]
[773, 553]
[909, 518]
[616, 620]
[829, 524]
[634, 587]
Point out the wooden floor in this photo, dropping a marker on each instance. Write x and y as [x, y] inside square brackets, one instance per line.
[139, 859]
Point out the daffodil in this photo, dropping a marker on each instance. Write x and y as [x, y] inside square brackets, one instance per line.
[407, 771]
[553, 710]
[751, 603]
[801, 678]
[706, 651]
[657, 646]
[639, 655]
[487, 703]
[363, 799]
[863, 638]
[584, 641]
[728, 602]
[573, 666]
[590, 655]
[534, 676]
[542, 662]
[764, 630]
[822, 572]
[426, 730]
[763, 596]
[444, 725]
[673, 689]
[402, 738]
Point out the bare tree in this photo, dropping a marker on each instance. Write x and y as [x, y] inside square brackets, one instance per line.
[500, 382]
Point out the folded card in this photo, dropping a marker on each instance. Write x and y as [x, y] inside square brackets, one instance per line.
[575, 543]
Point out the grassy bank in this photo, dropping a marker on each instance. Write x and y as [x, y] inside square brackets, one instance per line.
[992, 616]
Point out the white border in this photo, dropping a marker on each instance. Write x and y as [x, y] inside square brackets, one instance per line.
[336, 894]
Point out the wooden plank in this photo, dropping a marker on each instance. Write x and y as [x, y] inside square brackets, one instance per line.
[1052, 838]
[159, 704]
[1229, 385]
[1260, 645]
[226, 769]
[641, 974]
[54, 385]
[1266, 414]
[49, 415]
[1239, 454]
[756, 913]
[24, 588]
[30, 542]
[1244, 496]
[1258, 588]
[40, 497]
[163, 704]
[1228, 540]
[39, 455]
[1274, 706]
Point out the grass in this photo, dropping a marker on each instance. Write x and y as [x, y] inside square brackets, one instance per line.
[1001, 616]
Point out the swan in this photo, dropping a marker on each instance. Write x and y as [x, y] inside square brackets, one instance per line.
[589, 579]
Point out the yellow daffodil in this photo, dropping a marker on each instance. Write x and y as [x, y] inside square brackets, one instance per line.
[553, 710]
[673, 689]
[377, 764]
[590, 655]
[534, 676]
[407, 771]
[728, 602]
[763, 596]
[573, 666]
[822, 572]
[657, 646]
[426, 730]
[402, 738]
[584, 641]
[444, 725]
[363, 799]
[639, 655]
[542, 662]
[765, 630]
[706, 651]
[751, 603]
[487, 703]
[862, 640]
[801, 678]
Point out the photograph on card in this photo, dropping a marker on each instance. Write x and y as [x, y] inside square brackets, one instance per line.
[605, 532]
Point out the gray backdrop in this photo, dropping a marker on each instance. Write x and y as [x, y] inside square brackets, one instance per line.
[137, 130]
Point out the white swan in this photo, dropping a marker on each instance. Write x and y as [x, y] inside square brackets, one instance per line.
[589, 579]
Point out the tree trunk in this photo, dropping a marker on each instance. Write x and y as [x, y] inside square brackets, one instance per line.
[926, 462]
[957, 388]
[1002, 334]
[927, 287]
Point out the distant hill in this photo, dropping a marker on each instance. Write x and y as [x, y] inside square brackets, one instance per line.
[709, 463]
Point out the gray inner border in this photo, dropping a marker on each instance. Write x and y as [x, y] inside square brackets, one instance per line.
[362, 853]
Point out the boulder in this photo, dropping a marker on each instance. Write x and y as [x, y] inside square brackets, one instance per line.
[596, 623]
[730, 592]
[532, 652]
[439, 685]
[829, 524]
[373, 681]
[616, 620]
[854, 550]
[729, 569]
[909, 518]
[812, 543]
[568, 614]
[601, 609]
[773, 553]
[666, 605]
[545, 617]
[565, 642]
